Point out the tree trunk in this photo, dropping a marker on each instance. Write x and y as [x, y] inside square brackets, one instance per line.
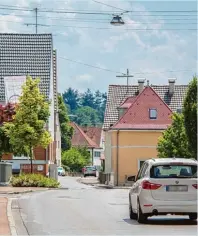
[31, 157]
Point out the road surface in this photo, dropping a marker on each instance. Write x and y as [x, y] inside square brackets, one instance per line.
[85, 210]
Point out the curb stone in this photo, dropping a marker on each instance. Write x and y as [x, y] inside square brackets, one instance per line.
[97, 185]
[10, 218]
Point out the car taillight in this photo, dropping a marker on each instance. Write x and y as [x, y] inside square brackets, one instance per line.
[150, 186]
[195, 186]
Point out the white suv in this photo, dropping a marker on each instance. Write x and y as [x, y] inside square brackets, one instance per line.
[164, 186]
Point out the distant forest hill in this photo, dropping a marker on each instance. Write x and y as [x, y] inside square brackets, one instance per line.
[86, 109]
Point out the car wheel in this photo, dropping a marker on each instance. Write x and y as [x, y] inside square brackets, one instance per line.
[132, 215]
[141, 218]
[193, 216]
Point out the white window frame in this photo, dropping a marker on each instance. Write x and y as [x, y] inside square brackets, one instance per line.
[139, 160]
[150, 111]
[97, 152]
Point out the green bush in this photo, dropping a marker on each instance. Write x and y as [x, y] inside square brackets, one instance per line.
[33, 180]
[74, 160]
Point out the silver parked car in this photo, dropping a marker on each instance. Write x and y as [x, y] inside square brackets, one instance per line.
[164, 186]
[61, 171]
[89, 171]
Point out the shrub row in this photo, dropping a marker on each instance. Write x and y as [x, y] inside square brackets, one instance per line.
[33, 180]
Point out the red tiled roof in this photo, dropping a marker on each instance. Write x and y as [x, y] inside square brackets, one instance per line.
[118, 93]
[128, 101]
[137, 116]
[94, 133]
[81, 139]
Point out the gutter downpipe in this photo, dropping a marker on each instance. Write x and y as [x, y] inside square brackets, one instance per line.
[117, 158]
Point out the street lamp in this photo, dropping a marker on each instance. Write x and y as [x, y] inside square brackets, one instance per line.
[117, 21]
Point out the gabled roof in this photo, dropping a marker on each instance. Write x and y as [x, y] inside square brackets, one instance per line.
[94, 133]
[117, 94]
[137, 115]
[26, 54]
[80, 139]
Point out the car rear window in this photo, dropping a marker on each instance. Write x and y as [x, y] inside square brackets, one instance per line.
[174, 171]
[91, 168]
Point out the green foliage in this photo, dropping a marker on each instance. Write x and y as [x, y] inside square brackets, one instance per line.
[173, 142]
[66, 129]
[5, 147]
[190, 116]
[74, 159]
[27, 130]
[86, 116]
[76, 101]
[33, 180]
[88, 99]
[85, 153]
[71, 98]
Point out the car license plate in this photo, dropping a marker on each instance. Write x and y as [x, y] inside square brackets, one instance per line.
[176, 188]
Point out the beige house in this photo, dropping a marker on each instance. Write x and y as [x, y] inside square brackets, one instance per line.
[134, 123]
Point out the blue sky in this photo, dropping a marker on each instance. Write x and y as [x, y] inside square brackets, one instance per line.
[153, 45]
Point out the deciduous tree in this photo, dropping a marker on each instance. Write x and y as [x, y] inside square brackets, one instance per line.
[66, 129]
[173, 142]
[190, 116]
[27, 130]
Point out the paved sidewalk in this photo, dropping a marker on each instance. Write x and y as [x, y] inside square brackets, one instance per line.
[4, 223]
[17, 190]
[95, 182]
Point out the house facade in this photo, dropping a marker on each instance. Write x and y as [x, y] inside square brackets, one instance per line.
[88, 137]
[31, 54]
[135, 118]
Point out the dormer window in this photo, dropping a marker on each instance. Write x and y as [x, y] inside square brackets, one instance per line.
[153, 113]
[121, 111]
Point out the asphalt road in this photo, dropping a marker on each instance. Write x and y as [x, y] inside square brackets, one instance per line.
[85, 210]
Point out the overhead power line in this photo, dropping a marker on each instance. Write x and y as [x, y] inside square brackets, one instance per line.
[137, 73]
[85, 64]
[63, 11]
[103, 28]
[110, 6]
[93, 20]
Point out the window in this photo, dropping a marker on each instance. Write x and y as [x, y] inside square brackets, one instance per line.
[174, 171]
[97, 154]
[142, 171]
[153, 113]
[140, 164]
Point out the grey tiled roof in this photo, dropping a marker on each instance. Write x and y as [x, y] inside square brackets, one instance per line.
[26, 54]
[118, 93]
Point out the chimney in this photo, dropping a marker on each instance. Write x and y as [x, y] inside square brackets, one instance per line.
[141, 84]
[171, 86]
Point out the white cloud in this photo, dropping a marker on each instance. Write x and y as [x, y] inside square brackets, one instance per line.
[8, 23]
[85, 78]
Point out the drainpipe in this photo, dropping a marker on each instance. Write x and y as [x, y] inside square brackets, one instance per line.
[117, 157]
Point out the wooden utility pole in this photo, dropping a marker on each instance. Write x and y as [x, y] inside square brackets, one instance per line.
[127, 75]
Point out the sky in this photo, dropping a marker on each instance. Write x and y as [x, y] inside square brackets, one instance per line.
[158, 40]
